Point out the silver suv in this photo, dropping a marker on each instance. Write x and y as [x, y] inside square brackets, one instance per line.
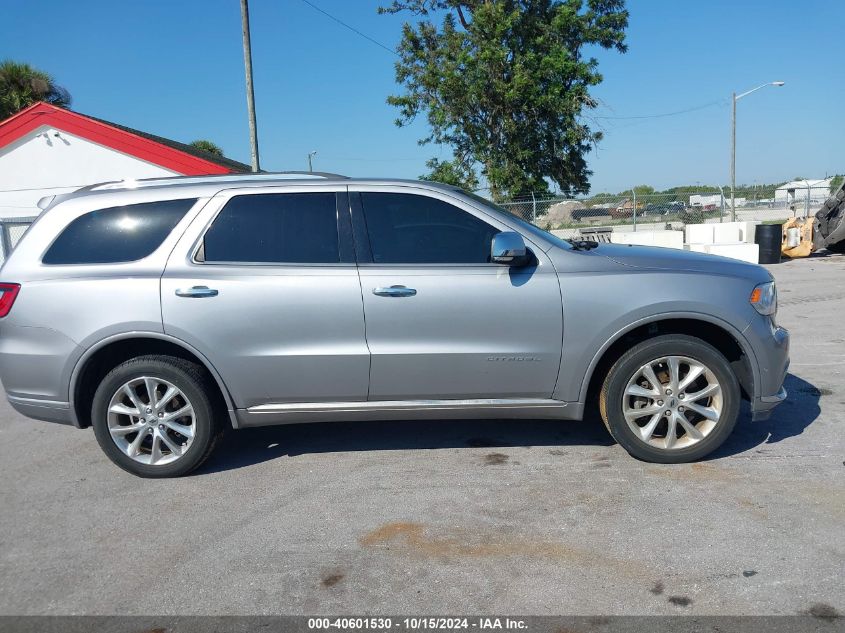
[162, 312]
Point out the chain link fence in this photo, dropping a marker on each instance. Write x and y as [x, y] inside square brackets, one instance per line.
[11, 231]
[631, 211]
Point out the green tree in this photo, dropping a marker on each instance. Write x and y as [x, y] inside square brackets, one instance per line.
[505, 84]
[21, 85]
[207, 146]
[451, 172]
[602, 198]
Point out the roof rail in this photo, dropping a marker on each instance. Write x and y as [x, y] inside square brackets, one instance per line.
[319, 174]
[131, 183]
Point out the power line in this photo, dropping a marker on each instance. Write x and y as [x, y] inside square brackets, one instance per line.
[615, 118]
[602, 117]
[351, 28]
[372, 160]
[665, 114]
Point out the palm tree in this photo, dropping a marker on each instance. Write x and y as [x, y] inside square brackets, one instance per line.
[21, 85]
[207, 146]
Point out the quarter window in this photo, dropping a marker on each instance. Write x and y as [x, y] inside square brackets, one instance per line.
[412, 229]
[117, 234]
[287, 228]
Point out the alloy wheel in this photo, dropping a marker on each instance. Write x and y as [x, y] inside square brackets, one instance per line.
[672, 402]
[151, 421]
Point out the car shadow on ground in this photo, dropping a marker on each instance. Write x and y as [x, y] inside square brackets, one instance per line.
[252, 446]
[790, 418]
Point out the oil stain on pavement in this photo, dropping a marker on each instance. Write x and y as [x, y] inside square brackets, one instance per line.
[495, 459]
[330, 580]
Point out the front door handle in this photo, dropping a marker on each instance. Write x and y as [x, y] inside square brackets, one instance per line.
[394, 291]
[197, 292]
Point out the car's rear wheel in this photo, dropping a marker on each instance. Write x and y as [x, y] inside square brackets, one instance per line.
[670, 399]
[154, 416]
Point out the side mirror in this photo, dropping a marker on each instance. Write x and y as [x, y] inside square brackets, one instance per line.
[508, 248]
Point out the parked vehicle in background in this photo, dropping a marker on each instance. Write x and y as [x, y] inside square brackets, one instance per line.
[625, 211]
[659, 209]
[663, 208]
[161, 312]
[589, 213]
[697, 213]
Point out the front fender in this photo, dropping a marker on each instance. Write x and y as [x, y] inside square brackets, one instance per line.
[746, 347]
[601, 308]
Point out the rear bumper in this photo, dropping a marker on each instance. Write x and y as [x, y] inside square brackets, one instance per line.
[34, 363]
[46, 410]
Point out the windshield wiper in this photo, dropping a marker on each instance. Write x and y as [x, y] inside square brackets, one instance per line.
[583, 245]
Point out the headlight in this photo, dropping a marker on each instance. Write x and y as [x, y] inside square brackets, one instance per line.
[764, 298]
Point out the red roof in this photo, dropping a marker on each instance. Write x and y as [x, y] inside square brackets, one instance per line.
[168, 154]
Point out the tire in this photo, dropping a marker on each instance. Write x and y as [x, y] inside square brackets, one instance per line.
[653, 441]
[190, 408]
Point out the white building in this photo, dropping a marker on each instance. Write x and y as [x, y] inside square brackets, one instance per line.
[818, 191]
[45, 150]
[705, 201]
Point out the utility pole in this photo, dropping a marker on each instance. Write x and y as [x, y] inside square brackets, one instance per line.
[733, 156]
[634, 194]
[250, 93]
[310, 155]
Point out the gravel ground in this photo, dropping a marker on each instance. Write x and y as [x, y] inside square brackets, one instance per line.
[454, 517]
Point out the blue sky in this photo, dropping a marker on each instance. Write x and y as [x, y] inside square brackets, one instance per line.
[175, 68]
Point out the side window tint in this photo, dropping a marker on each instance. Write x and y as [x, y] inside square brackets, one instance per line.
[412, 229]
[117, 234]
[285, 228]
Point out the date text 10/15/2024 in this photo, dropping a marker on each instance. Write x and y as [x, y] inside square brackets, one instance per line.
[417, 624]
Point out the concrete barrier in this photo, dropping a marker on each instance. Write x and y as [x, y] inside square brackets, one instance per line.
[663, 238]
[699, 233]
[728, 239]
[732, 232]
[747, 230]
[738, 250]
[727, 233]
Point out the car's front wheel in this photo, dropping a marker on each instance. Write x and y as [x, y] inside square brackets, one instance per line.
[670, 399]
[154, 416]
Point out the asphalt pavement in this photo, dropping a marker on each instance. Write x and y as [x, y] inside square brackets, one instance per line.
[527, 517]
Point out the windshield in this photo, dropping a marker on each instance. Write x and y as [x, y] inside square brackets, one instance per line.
[531, 228]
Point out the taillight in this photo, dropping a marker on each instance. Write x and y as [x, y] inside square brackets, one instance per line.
[8, 294]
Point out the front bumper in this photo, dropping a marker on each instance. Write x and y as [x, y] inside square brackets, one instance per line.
[766, 405]
[772, 350]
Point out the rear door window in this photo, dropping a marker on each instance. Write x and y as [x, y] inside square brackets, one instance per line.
[117, 234]
[284, 228]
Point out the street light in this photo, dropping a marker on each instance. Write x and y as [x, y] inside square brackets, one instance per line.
[734, 98]
[310, 155]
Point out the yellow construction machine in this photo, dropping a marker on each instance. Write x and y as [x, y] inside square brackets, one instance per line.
[802, 236]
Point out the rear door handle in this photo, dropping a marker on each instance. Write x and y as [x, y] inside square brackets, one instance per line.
[197, 292]
[394, 291]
